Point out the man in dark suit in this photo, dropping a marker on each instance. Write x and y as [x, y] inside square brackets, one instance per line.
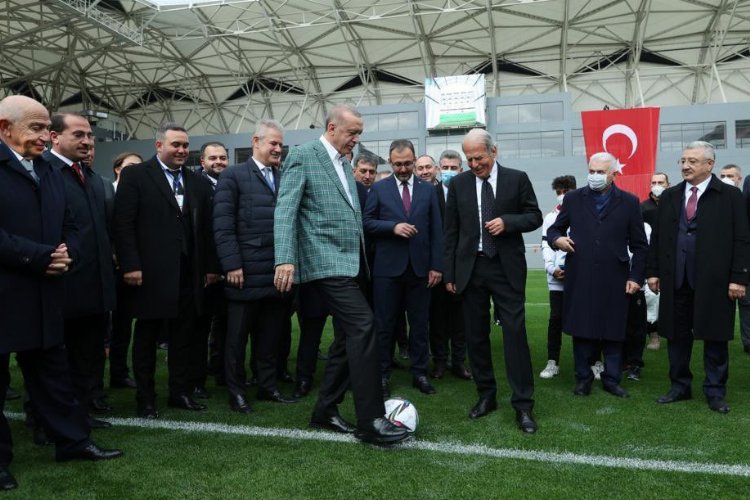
[213, 322]
[164, 245]
[36, 228]
[698, 263]
[318, 239]
[90, 285]
[244, 206]
[604, 223]
[487, 212]
[403, 218]
[447, 341]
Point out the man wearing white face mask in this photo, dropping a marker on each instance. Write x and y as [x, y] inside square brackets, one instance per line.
[604, 222]
[731, 174]
[659, 182]
[554, 264]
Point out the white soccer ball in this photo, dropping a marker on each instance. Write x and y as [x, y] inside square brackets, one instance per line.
[402, 411]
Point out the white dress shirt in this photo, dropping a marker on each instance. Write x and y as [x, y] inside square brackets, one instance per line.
[701, 189]
[338, 166]
[409, 185]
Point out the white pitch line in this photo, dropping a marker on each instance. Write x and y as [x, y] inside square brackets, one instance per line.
[563, 458]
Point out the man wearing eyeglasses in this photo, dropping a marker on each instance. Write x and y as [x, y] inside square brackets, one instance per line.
[403, 217]
[699, 257]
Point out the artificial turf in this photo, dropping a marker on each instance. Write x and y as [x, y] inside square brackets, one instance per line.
[181, 464]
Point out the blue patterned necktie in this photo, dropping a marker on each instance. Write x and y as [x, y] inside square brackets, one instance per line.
[269, 178]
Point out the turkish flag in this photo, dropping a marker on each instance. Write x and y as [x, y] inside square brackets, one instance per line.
[630, 135]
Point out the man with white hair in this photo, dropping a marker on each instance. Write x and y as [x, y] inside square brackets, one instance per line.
[604, 222]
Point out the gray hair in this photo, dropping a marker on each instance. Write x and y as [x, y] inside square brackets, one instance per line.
[263, 125]
[432, 160]
[337, 112]
[480, 135]
[708, 149]
[603, 157]
[366, 158]
[450, 154]
[161, 132]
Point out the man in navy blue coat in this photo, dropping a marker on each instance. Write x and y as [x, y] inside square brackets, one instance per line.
[604, 223]
[90, 285]
[403, 217]
[37, 240]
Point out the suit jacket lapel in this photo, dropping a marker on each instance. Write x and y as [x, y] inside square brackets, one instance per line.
[395, 190]
[588, 200]
[255, 170]
[615, 198]
[330, 170]
[157, 175]
[13, 162]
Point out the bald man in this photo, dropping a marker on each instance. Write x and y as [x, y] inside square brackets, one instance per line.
[38, 239]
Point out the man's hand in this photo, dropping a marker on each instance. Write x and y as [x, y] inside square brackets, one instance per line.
[450, 287]
[284, 277]
[236, 278]
[133, 278]
[60, 262]
[631, 287]
[212, 278]
[434, 278]
[565, 244]
[653, 284]
[495, 226]
[404, 230]
[558, 274]
[736, 292]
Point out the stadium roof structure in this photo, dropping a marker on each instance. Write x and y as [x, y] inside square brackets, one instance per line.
[219, 65]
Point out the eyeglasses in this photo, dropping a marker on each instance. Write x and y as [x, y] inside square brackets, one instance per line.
[690, 161]
[404, 164]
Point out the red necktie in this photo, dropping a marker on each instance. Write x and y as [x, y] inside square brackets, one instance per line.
[692, 204]
[406, 197]
[77, 169]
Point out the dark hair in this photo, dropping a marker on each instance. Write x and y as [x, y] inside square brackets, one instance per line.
[161, 132]
[117, 162]
[564, 182]
[57, 121]
[400, 144]
[666, 177]
[210, 144]
[367, 158]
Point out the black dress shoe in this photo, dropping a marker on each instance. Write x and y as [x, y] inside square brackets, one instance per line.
[122, 383]
[7, 481]
[438, 370]
[386, 388]
[253, 381]
[99, 406]
[617, 390]
[90, 452]
[482, 408]
[332, 423]
[381, 431]
[11, 395]
[274, 395]
[673, 396]
[423, 385]
[39, 435]
[95, 423]
[718, 404]
[526, 421]
[238, 403]
[582, 389]
[634, 373]
[148, 411]
[285, 377]
[201, 393]
[302, 389]
[460, 371]
[185, 402]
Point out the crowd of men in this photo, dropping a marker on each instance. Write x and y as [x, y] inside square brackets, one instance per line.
[203, 262]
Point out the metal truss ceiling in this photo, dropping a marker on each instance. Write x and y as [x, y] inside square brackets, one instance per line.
[221, 65]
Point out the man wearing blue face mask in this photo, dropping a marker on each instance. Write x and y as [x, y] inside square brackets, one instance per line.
[447, 342]
[604, 222]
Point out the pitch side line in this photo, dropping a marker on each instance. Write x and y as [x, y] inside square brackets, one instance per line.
[440, 447]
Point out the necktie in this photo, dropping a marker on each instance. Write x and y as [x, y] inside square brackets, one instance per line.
[29, 166]
[488, 213]
[176, 182]
[406, 197]
[269, 178]
[79, 172]
[692, 204]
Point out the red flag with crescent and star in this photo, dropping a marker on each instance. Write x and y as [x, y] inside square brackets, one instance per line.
[631, 136]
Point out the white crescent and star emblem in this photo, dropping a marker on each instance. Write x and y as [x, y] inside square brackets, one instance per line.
[619, 128]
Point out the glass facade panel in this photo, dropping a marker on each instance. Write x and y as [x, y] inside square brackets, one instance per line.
[551, 111]
[387, 121]
[578, 144]
[408, 120]
[674, 137]
[370, 123]
[529, 113]
[553, 143]
[742, 130]
[507, 115]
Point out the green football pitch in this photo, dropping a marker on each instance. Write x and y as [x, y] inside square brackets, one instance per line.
[593, 447]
